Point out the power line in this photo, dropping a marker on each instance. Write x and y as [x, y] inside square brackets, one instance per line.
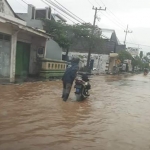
[118, 20]
[112, 13]
[113, 21]
[68, 10]
[108, 17]
[22, 5]
[126, 32]
[57, 11]
[58, 7]
[90, 2]
[24, 2]
[51, 7]
[137, 44]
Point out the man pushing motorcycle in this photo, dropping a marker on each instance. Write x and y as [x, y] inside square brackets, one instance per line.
[68, 78]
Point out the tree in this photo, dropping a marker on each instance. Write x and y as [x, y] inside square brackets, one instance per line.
[66, 35]
[123, 55]
[141, 54]
[136, 61]
[59, 32]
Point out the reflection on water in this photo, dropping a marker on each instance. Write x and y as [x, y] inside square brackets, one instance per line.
[115, 117]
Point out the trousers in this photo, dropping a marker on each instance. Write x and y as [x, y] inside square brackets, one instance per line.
[66, 90]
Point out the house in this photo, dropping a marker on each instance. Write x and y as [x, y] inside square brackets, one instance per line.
[109, 43]
[33, 19]
[20, 45]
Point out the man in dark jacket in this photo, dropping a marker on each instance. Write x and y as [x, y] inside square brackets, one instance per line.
[68, 78]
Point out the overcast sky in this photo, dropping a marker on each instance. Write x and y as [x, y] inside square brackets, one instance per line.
[119, 13]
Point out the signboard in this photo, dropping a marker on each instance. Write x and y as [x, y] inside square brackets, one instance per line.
[118, 61]
[1, 6]
[133, 51]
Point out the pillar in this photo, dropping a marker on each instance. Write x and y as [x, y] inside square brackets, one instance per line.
[13, 57]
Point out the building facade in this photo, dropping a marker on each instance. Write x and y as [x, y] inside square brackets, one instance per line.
[33, 19]
[19, 45]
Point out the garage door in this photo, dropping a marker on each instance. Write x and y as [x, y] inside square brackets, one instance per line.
[5, 54]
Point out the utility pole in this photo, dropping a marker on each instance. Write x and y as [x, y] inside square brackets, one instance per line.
[91, 45]
[126, 31]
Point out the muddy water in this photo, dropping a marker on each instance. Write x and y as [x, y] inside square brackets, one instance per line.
[115, 117]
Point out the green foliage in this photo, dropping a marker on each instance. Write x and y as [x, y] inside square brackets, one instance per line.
[136, 61]
[59, 31]
[141, 54]
[65, 34]
[123, 55]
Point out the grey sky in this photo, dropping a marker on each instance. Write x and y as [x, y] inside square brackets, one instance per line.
[132, 12]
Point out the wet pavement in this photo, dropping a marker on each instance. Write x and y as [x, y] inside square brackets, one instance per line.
[115, 117]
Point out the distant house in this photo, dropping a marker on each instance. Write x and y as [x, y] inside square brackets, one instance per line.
[111, 42]
[19, 45]
[33, 18]
[108, 44]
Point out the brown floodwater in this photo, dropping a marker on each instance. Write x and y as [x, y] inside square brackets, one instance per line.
[115, 117]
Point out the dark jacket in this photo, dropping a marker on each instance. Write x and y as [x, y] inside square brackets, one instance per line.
[70, 74]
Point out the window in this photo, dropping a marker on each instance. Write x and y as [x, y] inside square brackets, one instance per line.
[7, 37]
[52, 66]
[49, 65]
[55, 66]
[40, 14]
[1, 36]
[33, 12]
[49, 13]
[58, 66]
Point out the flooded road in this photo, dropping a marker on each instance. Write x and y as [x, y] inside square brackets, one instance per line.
[115, 117]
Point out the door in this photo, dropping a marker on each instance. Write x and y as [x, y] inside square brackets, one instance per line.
[5, 53]
[22, 59]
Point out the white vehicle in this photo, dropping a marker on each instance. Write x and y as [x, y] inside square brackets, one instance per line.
[94, 69]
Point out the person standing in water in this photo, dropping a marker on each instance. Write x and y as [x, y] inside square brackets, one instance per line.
[69, 77]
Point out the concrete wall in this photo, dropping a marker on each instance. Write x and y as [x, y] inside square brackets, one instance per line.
[112, 63]
[100, 63]
[35, 43]
[5, 28]
[53, 50]
[35, 23]
[13, 57]
[31, 22]
[23, 16]
[120, 48]
[35, 65]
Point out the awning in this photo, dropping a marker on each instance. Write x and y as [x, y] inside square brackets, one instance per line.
[22, 25]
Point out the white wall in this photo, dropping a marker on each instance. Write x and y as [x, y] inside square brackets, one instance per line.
[5, 28]
[34, 67]
[6, 8]
[112, 63]
[100, 63]
[53, 50]
[13, 57]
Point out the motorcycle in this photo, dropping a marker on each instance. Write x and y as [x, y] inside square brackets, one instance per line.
[145, 72]
[82, 87]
